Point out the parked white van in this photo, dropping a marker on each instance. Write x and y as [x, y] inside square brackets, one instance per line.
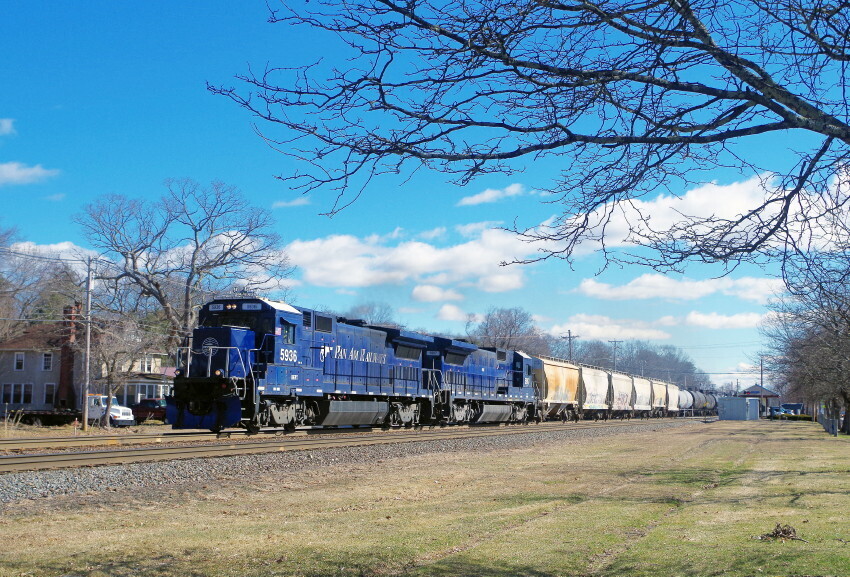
[118, 416]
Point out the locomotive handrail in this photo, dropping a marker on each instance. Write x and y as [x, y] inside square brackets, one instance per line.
[210, 352]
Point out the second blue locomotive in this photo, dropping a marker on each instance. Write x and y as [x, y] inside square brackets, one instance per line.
[254, 363]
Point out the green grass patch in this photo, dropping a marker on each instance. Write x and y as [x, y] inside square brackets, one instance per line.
[688, 501]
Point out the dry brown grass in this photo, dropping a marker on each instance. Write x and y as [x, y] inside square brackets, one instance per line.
[687, 501]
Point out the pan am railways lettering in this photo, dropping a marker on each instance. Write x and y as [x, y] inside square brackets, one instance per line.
[352, 354]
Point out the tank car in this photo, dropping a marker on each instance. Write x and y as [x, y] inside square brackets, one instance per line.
[711, 404]
[700, 403]
[686, 402]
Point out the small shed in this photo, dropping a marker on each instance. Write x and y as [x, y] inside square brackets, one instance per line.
[738, 408]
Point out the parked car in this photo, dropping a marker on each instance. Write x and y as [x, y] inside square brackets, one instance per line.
[149, 409]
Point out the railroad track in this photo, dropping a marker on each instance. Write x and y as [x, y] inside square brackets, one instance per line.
[268, 444]
[39, 443]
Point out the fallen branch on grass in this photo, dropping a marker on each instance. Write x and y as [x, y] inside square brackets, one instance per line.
[782, 532]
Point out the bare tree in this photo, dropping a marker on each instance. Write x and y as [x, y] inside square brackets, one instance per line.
[663, 362]
[33, 288]
[373, 313]
[809, 335]
[119, 344]
[179, 250]
[512, 329]
[637, 96]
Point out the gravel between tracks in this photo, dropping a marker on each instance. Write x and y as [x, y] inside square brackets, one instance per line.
[40, 485]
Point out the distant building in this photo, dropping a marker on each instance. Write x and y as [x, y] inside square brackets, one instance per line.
[766, 397]
[147, 378]
[42, 369]
[38, 368]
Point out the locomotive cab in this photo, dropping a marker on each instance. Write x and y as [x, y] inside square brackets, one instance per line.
[229, 351]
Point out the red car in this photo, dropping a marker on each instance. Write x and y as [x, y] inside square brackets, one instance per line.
[149, 409]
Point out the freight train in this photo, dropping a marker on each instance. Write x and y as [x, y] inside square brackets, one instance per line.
[255, 363]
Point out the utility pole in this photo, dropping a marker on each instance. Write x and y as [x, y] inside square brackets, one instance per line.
[87, 383]
[615, 343]
[570, 336]
[761, 371]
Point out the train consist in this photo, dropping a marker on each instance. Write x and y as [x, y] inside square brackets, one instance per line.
[257, 363]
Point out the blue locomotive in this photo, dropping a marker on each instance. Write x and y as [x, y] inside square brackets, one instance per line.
[253, 362]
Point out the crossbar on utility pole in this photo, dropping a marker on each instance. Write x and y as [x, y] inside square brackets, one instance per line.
[615, 343]
[570, 336]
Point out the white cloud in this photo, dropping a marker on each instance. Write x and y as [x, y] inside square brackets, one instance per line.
[300, 201]
[349, 261]
[433, 233]
[492, 195]
[650, 286]
[18, 173]
[430, 294]
[476, 228]
[718, 321]
[56, 197]
[452, 313]
[603, 327]
[7, 126]
[623, 222]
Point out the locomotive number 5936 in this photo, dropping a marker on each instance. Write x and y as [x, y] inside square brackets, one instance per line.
[289, 355]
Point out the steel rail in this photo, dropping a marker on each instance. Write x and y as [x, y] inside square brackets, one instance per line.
[287, 442]
[23, 443]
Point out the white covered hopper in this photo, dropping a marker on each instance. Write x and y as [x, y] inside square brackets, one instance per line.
[594, 389]
[643, 394]
[621, 389]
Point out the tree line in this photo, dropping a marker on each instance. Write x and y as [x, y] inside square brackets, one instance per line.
[157, 262]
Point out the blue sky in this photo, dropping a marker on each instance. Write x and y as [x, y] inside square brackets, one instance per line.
[109, 97]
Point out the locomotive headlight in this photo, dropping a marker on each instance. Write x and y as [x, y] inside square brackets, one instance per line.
[218, 372]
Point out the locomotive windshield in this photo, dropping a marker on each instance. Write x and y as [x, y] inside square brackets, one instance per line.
[260, 324]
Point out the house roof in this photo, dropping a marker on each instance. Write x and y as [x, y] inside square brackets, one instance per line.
[37, 337]
[758, 391]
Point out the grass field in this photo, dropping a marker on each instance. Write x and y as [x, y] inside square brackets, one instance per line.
[685, 501]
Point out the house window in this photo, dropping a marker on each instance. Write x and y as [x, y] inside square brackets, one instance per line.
[17, 393]
[47, 362]
[19, 361]
[7, 393]
[28, 393]
[147, 364]
[49, 393]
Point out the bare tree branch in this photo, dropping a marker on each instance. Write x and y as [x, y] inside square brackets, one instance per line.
[638, 97]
